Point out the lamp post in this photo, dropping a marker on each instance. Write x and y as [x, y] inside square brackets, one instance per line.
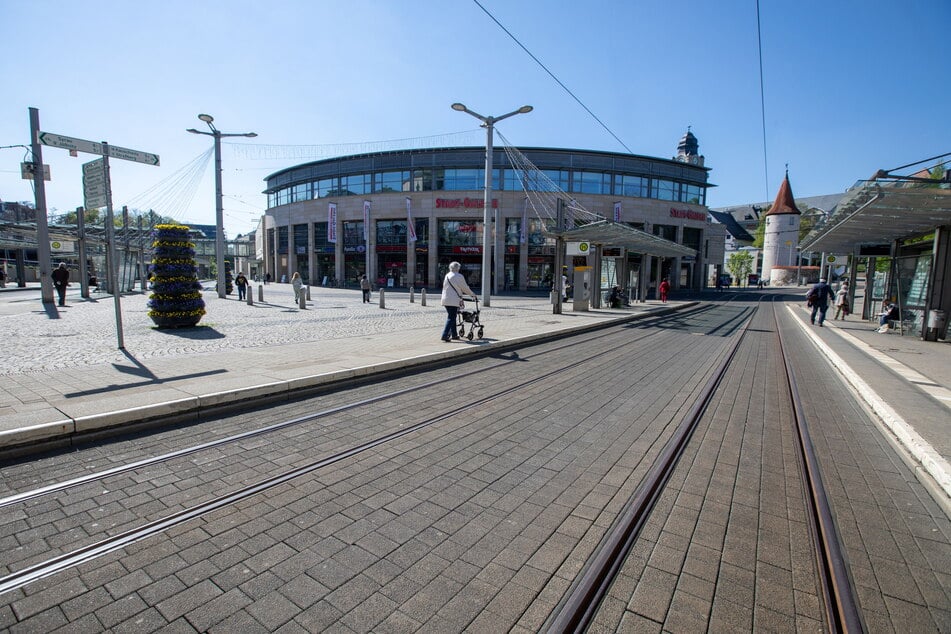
[487, 123]
[219, 212]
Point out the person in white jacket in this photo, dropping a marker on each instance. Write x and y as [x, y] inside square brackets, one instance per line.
[454, 287]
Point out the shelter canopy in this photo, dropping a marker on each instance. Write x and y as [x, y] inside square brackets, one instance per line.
[879, 213]
[614, 234]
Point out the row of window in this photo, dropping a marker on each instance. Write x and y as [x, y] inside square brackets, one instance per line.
[419, 180]
[392, 233]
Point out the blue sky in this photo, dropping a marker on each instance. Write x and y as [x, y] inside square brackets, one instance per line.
[850, 87]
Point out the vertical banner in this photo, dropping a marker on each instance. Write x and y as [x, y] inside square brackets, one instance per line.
[410, 225]
[366, 221]
[617, 211]
[332, 222]
[523, 227]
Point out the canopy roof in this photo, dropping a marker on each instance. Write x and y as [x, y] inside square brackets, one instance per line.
[615, 234]
[878, 213]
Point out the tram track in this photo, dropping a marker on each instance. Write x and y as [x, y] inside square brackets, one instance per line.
[76, 556]
[68, 483]
[578, 608]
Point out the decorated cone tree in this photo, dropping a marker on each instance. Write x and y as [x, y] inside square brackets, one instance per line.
[176, 300]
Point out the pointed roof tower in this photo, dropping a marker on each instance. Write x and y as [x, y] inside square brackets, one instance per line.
[784, 203]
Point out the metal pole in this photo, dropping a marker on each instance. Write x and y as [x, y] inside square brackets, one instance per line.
[43, 253]
[486, 242]
[112, 263]
[83, 266]
[219, 220]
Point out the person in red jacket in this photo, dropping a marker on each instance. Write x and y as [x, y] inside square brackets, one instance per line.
[664, 289]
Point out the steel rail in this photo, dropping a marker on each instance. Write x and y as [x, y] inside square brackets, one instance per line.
[578, 608]
[841, 606]
[185, 451]
[110, 544]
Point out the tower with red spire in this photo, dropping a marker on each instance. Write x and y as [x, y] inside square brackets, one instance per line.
[781, 237]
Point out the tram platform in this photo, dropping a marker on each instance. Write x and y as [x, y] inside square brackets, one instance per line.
[64, 373]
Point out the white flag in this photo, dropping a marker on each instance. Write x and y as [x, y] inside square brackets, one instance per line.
[366, 221]
[410, 227]
[523, 229]
[332, 222]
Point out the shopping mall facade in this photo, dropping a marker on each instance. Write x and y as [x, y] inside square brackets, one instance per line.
[402, 216]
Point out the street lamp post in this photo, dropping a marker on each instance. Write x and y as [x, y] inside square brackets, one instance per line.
[487, 123]
[219, 209]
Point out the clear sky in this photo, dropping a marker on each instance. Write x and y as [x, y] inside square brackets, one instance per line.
[851, 86]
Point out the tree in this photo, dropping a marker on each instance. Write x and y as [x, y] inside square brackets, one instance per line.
[740, 265]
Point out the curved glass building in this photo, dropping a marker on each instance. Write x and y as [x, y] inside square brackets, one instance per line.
[402, 216]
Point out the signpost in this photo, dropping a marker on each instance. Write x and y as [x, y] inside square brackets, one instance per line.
[91, 147]
[94, 183]
[96, 192]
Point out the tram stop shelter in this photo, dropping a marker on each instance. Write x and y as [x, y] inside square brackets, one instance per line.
[908, 221]
[608, 235]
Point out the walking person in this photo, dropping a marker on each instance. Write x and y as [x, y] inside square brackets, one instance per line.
[819, 297]
[297, 283]
[365, 287]
[61, 281]
[453, 288]
[242, 283]
[842, 301]
[664, 290]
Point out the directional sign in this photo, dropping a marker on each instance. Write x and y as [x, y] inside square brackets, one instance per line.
[94, 183]
[91, 147]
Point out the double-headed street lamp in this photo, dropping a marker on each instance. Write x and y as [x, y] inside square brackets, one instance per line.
[487, 123]
[219, 211]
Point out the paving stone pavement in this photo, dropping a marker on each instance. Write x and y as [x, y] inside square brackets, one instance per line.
[64, 372]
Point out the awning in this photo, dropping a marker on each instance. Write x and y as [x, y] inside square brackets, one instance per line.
[614, 234]
[879, 213]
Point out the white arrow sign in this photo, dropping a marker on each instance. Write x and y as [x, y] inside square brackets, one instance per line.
[91, 147]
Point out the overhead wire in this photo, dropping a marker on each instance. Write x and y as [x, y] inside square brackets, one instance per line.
[552, 75]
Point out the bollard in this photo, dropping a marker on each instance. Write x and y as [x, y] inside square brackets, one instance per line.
[303, 301]
[308, 292]
[382, 298]
[249, 293]
[261, 293]
[411, 297]
[422, 296]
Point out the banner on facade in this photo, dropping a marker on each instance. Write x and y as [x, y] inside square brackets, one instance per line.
[332, 222]
[617, 211]
[523, 229]
[366, 221]
[410, 225]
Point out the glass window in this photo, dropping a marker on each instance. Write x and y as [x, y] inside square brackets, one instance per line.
[300, 238]
[422, 180]
[272, 200]
[590, 183]
[633, 186]
[535, 236]
[692, 194]
[664, 189]
[325, 187]
[300, 192]
[422, 230]
[390, 232]
[355, 185]
[353, 233]
[460, 179]
[392, 182]
[282, 239]
[320, 235]
[512, 231]
[283, 196]
[460, 232]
